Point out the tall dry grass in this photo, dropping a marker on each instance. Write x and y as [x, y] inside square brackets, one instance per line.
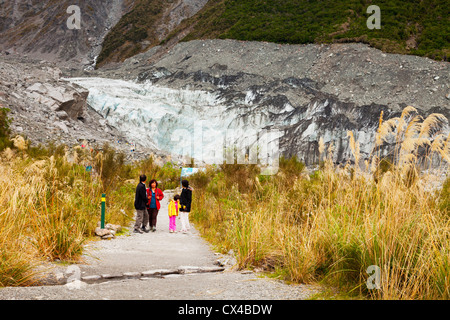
[50, 205]
[331, 225]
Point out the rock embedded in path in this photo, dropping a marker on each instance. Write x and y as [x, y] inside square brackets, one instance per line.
[102, 232]
[92, 278]
[109, 232]
[115, 227]
[211, 269]
[159, 272]
[131, 275]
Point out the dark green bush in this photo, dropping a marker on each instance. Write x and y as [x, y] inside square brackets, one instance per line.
[5, 141]
[300, 22]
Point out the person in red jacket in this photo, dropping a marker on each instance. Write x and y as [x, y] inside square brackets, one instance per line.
[154, 196]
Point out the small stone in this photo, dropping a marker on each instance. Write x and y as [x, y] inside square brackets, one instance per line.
[169, 271]
[114, 227]
[247, 272]
[222, 262]
[76, 284]
[102, 232]
[172, 276]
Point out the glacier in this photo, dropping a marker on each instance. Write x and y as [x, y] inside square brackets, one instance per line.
[193, 123]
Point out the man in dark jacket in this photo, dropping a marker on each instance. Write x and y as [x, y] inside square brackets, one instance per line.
[140, 201]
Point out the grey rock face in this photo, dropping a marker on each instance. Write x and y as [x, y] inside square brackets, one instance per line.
[305, 91]
[44, 107]
[39, 29]
[62, 97]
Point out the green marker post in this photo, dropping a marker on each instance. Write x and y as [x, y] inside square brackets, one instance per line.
[102, 223]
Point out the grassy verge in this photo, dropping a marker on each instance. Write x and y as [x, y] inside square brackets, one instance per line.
[331, 225]
[50, 203]
[327, 226]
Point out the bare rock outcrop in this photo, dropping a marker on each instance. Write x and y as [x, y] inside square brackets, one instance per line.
[305, 91]
[39, 29]
[63, 98]
[45, 107]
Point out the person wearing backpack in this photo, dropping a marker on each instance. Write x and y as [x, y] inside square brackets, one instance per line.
[185, 205]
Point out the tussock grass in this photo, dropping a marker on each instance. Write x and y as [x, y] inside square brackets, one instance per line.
[50, 204]
[330, 225]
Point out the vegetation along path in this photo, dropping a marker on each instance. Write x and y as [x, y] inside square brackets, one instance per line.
[158, 265]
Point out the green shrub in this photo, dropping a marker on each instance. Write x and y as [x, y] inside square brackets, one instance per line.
[169, 175]
[5, 141]
[295, 22]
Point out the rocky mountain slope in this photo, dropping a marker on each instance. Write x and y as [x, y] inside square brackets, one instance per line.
[39, 29]
[146, 24]
[304, 91]
[44, 107]
[405, 26]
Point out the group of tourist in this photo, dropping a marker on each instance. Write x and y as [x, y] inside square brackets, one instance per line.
[147, 205]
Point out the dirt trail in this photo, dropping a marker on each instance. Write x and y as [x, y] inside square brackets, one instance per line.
[158, 265]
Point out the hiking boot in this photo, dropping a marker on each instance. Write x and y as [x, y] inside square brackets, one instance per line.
[145, 230]
[154, 229]
[138, 231]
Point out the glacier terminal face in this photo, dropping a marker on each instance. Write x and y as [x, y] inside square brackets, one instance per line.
[228, 126]
[184, 122]
[222, 92]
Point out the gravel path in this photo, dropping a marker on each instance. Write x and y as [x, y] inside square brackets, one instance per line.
[158, 265]
[207, 286]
